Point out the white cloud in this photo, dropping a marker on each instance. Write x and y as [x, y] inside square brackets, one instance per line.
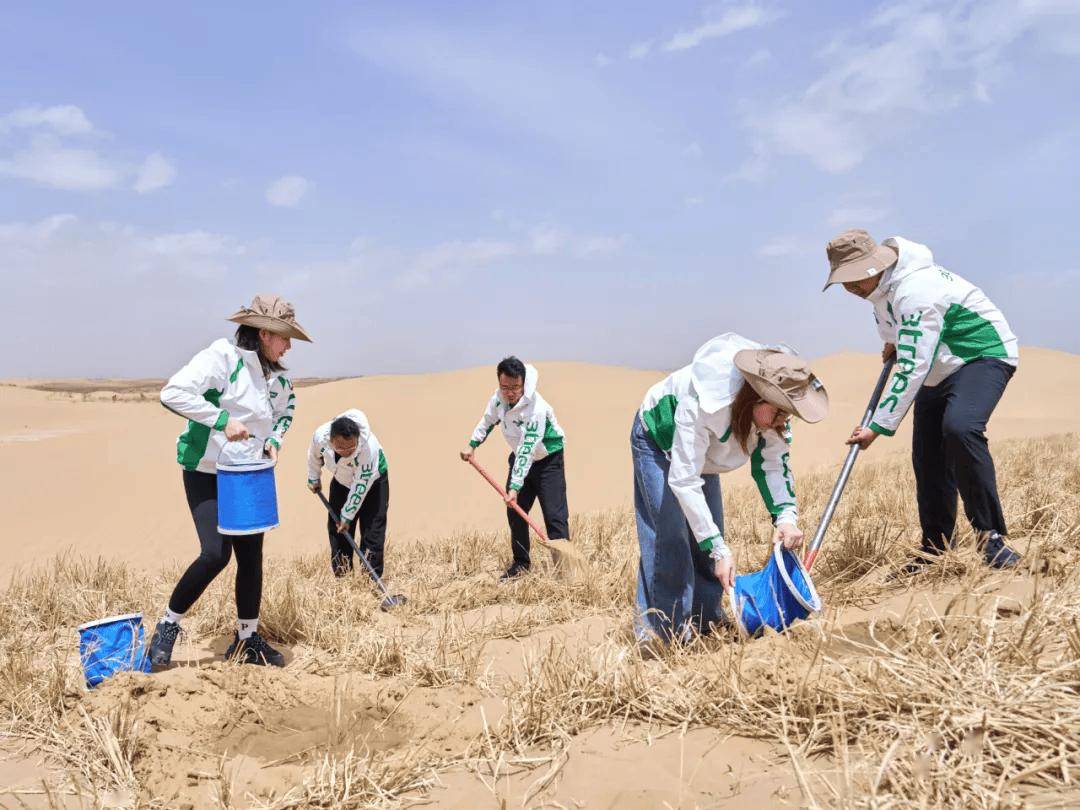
[787, 247]
[602, 60]
[721, 23]
[454, 259]
[193, 243]
[693, 150]
[910, 60]
[288, 191]
[693, 200]
[857, 216]
[599, 245]
[155, 173]
[758, 57]
[546, 240]
[47, 162]
[64, 119]
[640, 50]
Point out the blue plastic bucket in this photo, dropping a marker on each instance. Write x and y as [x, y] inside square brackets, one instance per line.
[246, 497]
[777, 596]
[112, 645]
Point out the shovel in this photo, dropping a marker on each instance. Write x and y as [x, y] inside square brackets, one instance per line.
[845, 471]
[388, 600]
[556, 547]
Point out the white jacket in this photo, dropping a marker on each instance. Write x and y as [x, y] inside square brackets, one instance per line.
[697, 438]
[220, 382]
[938, 322]
[530, 428]
[358, 472]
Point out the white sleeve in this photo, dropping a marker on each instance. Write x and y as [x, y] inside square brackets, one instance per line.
[194, 391]
[917, 336]
[689, 445]
[772, 473]
[283, 404]
[487, 423]
[369, 469]
[314, 459]
[532, 432]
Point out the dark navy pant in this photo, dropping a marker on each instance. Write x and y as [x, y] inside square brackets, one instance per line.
[546, 482]
[950, 452]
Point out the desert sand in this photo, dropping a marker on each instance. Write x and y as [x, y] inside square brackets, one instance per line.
[477, 695]
[97, 476]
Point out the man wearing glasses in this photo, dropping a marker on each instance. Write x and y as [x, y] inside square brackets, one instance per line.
[536, 464]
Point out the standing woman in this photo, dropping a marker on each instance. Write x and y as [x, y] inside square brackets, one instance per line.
[238, 400]
[731, 405]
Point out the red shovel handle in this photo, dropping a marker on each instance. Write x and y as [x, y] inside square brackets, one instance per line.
[512, 504]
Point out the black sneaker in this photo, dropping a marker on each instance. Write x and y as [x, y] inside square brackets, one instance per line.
[254, 650]
[515, 570]
[161, 644]
[997, 554]
[931, 549]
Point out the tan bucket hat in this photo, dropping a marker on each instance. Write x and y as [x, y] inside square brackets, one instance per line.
[784, 380]
[854, 255]
[271, 312]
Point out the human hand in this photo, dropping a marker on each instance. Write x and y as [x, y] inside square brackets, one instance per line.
[467, 453]
[887, 351]
[315, 486]
[236, 431]
[511, 496]
[864, 437]
[789, 534]
[271, 451]
[724, 568]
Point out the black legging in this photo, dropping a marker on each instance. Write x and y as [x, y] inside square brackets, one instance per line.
[215, 550]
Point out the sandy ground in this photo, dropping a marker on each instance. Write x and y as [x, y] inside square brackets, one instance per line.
[99, 476]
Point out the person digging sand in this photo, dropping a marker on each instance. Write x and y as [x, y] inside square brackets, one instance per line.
[731, 405]
[359, 488]
[955, 353]
[239, 403]
[537, 470]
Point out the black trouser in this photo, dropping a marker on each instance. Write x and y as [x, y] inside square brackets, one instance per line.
[214, 552]
[372, 521]
[950, 452]
[547, 481]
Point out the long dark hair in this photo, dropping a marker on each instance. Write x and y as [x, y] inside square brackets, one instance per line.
[742, 415]
[247, 337]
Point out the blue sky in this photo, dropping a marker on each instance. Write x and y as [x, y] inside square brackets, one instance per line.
[436, 185]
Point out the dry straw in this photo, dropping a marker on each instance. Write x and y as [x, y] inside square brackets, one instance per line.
[959, 689]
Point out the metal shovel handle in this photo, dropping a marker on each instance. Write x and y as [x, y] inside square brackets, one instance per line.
[348, 536]
[849, 463]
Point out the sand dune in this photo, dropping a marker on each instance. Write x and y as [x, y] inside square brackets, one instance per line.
[100, 477]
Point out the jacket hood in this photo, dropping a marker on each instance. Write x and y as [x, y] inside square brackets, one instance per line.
[713, 374]
[913, 256]
[532, 377]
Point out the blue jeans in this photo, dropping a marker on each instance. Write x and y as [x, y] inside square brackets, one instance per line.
[677, 590]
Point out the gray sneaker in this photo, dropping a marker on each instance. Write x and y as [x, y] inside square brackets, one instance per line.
[161, 644]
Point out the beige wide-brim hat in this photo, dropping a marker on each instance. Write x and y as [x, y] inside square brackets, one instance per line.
[784, 380]
[273, 313]
[854, 255]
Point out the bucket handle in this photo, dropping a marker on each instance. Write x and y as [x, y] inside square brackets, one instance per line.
[778, 553]
[262, 447]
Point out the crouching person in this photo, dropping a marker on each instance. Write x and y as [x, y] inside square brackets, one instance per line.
[732, 405]
[359, 488]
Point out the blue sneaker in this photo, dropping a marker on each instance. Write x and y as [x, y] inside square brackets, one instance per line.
[997, 554]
